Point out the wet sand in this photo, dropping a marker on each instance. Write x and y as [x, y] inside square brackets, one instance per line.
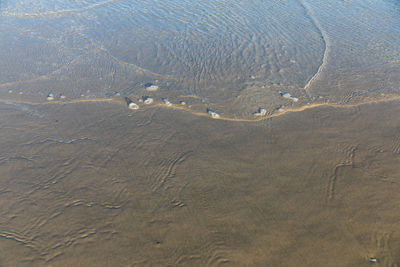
[197, 133]
[165, 187]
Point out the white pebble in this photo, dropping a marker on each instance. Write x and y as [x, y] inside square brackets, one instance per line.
[148, 100]
[166, 102]
[152, 88]
[289, 96]
[261, 112]
[50, 97]
[213, 114]
[133, 106]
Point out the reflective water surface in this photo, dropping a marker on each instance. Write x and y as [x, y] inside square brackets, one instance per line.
[273, 137]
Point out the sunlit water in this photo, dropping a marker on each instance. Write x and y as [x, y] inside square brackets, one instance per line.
[82, 174]
[234, 56]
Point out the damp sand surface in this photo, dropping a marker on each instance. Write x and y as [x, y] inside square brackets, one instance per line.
[166, 187]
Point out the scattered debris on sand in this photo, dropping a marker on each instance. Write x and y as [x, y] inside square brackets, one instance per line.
[288, 96]
[50, 97]
[261, 112]
[281, 108]
[213, 114]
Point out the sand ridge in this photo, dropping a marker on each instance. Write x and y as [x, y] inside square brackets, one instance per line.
[155, 104]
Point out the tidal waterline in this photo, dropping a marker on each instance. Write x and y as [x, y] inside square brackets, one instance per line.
[87, 181]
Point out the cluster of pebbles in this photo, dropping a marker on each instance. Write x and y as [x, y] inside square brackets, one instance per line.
[51, 97]
[147, 100]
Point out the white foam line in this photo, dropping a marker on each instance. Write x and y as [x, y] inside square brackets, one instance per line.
[326, 50]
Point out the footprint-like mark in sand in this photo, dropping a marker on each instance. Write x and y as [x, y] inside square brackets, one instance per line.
[396, 143]
[167, 170]
[332, 184]
[350, 152]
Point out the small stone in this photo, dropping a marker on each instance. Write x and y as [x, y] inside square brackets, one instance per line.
[213, 114]
[166, 102]
[50, 97]
[289, 96]
[133, 106]
[261, 112]
[151, 87]
[148, 100]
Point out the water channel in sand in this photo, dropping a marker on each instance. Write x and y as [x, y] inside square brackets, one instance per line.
[311, 181]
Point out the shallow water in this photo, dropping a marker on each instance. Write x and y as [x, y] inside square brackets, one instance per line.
[85, 181]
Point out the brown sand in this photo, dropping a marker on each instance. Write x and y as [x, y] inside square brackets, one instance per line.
[94, 184]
